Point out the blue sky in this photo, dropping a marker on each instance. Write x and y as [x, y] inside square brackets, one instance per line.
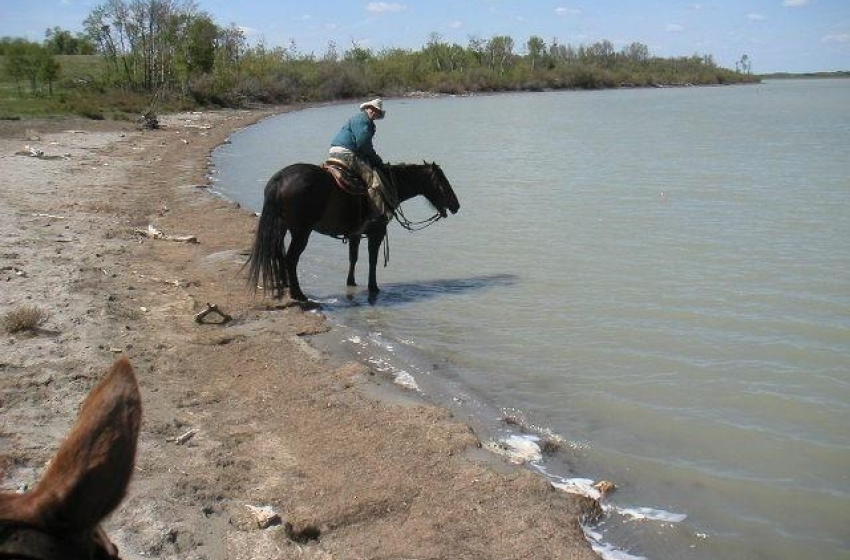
[777, 35]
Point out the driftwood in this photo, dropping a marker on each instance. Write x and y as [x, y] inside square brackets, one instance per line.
[201, 317]
[52, 216]
[184, 437]
[265, 516]
[39, 153]
[155, 233]
[149, 121]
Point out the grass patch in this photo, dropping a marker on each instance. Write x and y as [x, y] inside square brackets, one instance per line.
[24, 318]
[82, 90]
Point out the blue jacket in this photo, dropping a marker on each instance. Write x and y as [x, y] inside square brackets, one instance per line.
[356, 135]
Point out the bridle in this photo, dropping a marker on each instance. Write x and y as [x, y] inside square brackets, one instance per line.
[410, 225]
[21, 541]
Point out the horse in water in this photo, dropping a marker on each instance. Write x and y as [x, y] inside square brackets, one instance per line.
[59, 519]
[303, 198]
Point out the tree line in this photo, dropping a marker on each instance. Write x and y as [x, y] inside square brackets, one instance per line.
[168, 48]
[35, 64]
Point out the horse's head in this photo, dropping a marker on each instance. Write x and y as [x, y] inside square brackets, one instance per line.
[86, 480]
[441, 195]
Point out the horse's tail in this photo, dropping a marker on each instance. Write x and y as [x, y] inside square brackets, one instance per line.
[267, 262]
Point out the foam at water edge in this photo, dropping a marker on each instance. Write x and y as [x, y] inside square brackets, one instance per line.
[580, 486]
[651, 514]
[605, 550]
[406, 380]
[585, 487]
[400, 377]
[518, 449]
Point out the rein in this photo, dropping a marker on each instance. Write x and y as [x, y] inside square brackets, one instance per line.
[414, 226]
[398, 214]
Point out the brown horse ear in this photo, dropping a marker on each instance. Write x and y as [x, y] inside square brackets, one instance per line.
[89, 475]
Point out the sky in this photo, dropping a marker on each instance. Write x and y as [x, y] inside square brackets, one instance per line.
[776, 35]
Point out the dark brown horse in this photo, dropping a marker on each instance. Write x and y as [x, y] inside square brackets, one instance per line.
[303, 198]
[59, 519]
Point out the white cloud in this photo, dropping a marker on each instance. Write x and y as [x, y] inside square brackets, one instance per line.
[839, 38]
[384, 7]
[456, 24]
[674, 28]
[755, 17]
[562, 11]
[795, 3]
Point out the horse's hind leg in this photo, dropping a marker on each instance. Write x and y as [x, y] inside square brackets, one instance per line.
[279, 276]
[297, 244]
[353, 252]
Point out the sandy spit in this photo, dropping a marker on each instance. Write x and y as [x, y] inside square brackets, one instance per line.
[242, 428]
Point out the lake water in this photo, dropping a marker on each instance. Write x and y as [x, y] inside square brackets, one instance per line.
[659, 278]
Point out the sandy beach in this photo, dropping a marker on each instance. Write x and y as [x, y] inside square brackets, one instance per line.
[237, 415]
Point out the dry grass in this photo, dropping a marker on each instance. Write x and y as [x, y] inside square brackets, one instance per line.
[24, 318]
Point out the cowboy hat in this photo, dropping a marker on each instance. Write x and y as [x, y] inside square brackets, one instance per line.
[376, 104]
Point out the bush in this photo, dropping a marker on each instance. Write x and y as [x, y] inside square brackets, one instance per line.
[24, 318]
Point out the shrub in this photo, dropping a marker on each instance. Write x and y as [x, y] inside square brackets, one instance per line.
[24, 318]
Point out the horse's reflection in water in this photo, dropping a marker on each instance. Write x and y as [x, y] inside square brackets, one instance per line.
[87, 479]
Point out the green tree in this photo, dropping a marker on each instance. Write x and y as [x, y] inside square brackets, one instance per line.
[499, 51]
[48, 71]
[201, 38]
[636, 53]
[27, 62]
[536, 49]
[62, 41]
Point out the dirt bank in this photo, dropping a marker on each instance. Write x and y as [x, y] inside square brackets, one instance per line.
[236, 415]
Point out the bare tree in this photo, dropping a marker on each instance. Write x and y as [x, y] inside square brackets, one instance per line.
[142, 38]
[744, 65]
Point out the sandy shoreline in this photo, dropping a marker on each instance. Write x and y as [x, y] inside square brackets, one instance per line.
[273, 423]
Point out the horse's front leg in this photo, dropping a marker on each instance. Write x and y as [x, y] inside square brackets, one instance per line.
[376, 237]
[353, 251]
[293, 253]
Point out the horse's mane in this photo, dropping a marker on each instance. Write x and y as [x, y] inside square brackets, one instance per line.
[404, 166]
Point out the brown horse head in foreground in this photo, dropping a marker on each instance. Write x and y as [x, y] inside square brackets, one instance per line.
[86, 480]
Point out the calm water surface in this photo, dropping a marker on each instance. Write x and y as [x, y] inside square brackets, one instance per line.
[661, 278]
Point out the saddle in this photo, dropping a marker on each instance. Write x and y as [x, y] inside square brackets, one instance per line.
[345, 178]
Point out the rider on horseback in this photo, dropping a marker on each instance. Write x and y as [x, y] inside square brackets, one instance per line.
[353, 147]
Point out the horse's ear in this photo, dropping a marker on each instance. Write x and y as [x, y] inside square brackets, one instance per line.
[89, 475]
